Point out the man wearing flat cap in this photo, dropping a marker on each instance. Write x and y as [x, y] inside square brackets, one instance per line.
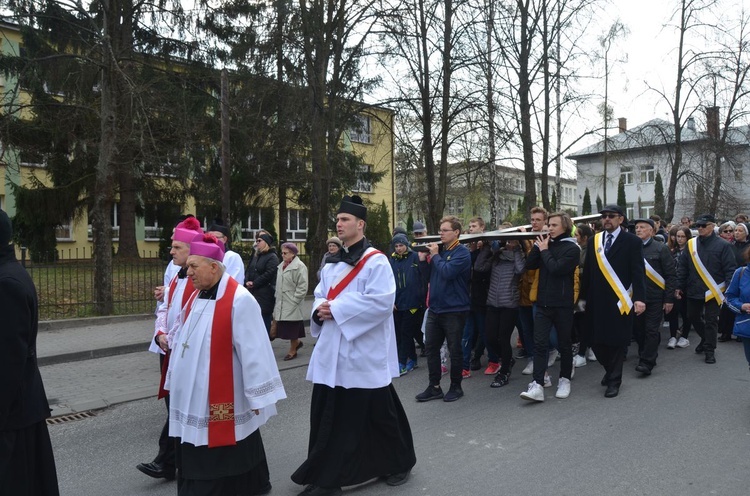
[222, 380]
[704, 271]
[27, 465]
[232, 260]
[613, 291]
[358, 428]
[661, 279]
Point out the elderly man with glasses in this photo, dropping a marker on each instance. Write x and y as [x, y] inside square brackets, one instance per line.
[704, 271]
[613, 292]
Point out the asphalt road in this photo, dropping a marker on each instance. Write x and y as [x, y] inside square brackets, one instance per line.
[683, 431]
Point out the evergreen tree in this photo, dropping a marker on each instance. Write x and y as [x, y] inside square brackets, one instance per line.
[700, 200]
[586, 206]
[410, 223]
[622, 202]
[553, 202]
[599, 204]
[659, 203]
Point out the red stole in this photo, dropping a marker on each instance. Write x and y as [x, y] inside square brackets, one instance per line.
[333, 292]
[220, 371]
[189, 289]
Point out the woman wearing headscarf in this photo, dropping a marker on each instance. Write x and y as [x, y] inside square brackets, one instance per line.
[291, 288]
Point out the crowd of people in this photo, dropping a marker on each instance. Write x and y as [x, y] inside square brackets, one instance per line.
[576, 293]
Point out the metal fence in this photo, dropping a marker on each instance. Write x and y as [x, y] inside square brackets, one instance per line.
[66, 287]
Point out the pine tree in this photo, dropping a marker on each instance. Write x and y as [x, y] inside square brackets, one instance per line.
[586, 206]
[410, 223]
[700, 200]
[599, 204]
[659, 205]
[622, 202]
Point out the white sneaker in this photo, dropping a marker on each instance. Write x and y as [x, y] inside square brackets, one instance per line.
[552, 357]
[563, 388]
[579, 361]
[529, 367]
[534, 393]
[683, 343]
[590, 355]
[671, 343]
[547, 380]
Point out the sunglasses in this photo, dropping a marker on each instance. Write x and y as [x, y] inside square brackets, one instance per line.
[701, 226]
[610, 216]
[728, 231]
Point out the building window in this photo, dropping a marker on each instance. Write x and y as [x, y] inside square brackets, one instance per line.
[647, 210]
[648, 174]
[115, 223]
[254, 222]
[629, 212]
[158, 216]
[364, 179]
[626, 173]
[64, 232]
[296, 225]
[360, 130]
[30, 159]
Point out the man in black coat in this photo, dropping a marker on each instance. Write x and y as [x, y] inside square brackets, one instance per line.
[27, 465]
[661, 278]
[707, 259]
[613, 288]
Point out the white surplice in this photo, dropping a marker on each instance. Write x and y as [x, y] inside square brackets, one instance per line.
[166, 315]
[357, 349]
[235, 266]
[257, 383]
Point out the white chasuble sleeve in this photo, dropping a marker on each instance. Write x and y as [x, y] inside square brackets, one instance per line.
[260, 374]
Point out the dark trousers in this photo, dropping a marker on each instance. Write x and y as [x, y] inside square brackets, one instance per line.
[726, 322]
[449, 327]
[418, 334]
[499, 325]
[679, 311]
[166, 444]
[611, 358]
[579, 332]
[405, 321]
[647, 333]
[705, 318]
[544, 319]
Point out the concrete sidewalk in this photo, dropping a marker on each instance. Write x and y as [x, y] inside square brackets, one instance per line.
[93, 363]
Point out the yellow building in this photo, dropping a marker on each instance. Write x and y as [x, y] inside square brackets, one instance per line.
[371, 138]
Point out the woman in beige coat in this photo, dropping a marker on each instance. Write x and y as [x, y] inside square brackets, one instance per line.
[291, 288]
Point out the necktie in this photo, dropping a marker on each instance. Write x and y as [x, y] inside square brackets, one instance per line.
[608, 244]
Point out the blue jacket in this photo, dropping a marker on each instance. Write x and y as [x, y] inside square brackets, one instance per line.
[411, 280]
[450, 271]
[739, 290]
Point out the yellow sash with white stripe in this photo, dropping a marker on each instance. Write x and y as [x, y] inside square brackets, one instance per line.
[625, 303]
[714, 290]
[655, 277]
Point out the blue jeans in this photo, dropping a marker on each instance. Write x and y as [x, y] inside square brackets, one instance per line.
[474, 332]
[444, 327]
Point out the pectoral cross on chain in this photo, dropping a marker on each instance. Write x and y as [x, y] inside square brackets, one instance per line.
[185, 346]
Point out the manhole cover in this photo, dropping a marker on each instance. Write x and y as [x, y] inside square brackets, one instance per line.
[69, 418]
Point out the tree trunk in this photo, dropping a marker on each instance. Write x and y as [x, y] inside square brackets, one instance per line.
[127, 245]
[524, 90]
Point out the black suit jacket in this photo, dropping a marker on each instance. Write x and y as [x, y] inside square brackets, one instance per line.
[606, 325]
[22, 398]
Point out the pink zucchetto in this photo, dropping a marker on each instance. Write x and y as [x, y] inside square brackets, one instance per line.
[206, 245]
[186, 230]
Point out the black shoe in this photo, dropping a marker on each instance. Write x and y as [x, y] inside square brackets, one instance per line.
[521, 353]
[321, 491]
[431, 393]
[422, 352]
[700, 349]
[500, 380]
[710, 358]
[605, 380]
[643, 369]
[612, 391]
[454, 393]
[156, 470]
[476, 363]
[724, 338]
[397, 479]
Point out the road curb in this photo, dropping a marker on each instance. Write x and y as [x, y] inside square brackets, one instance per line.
[55, 325]
[78, 356]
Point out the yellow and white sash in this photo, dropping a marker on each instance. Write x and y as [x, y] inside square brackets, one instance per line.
[714, 290]
[655, 277]
[625, 303]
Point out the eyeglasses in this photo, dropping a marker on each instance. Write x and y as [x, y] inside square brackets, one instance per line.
[728, 231]
[610, 216]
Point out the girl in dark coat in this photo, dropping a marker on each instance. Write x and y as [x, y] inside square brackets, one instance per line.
[260, 276]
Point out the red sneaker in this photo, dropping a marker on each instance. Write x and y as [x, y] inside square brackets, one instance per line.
[465, 373]
[492, 368]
